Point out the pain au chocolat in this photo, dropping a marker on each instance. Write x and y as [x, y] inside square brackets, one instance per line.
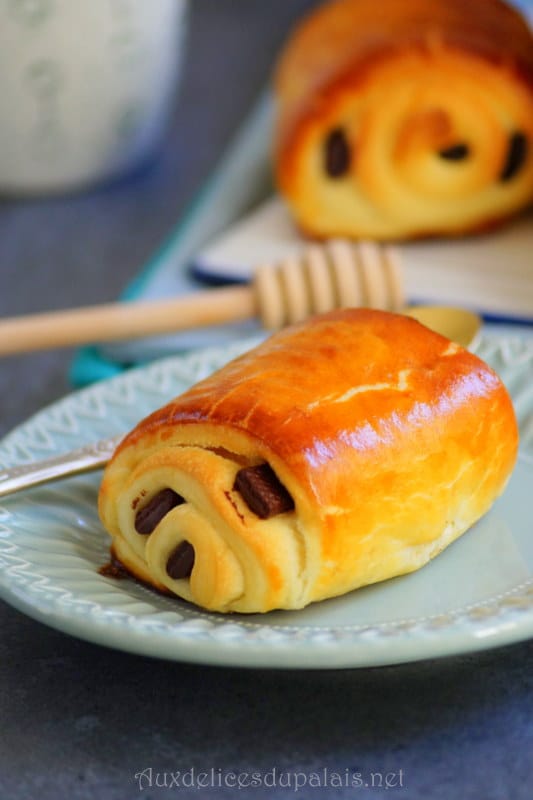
[405, 118]
[340, 452]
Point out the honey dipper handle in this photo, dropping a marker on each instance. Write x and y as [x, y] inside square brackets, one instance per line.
[116, 321]
[336, 274]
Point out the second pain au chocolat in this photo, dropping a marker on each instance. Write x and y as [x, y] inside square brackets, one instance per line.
[340, 452]
[405, 118]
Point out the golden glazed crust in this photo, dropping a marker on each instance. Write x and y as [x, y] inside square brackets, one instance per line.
[391, 440]
[406, 80]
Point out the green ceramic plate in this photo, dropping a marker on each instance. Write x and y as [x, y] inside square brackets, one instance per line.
[477, 594]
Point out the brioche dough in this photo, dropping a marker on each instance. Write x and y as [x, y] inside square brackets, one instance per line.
[405, 118]
[388, 440]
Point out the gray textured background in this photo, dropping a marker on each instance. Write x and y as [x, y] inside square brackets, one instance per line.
[80, 721]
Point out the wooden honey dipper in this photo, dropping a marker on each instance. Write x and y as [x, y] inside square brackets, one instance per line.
[323, 277]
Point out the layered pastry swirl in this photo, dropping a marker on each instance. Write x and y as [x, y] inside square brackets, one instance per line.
[340, 452]
[405, 118]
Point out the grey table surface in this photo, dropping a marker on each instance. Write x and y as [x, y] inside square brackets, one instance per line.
[81, 721]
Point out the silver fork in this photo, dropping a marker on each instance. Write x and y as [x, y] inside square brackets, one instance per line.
[88, 458]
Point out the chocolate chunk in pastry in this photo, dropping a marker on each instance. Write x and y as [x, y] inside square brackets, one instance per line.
[337, 154]
[405, 118]
[516, 156]
[181, 561]
[340, 452]
[456, 152]
[150, 514]
[262, 491]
